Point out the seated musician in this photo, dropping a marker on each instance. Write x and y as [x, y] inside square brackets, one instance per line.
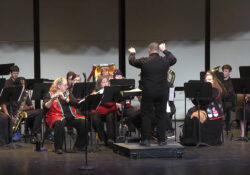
[70, 80]
[105, 112]
[211, 115]
[34, 117]
[60, 110]
[229, 97]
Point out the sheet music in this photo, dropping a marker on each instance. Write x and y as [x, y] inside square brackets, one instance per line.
[171, 94]
[134, 90]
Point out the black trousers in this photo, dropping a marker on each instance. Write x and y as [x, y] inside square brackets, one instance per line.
[59, 132]
[98, 125]
[151, 100]
[34, 120]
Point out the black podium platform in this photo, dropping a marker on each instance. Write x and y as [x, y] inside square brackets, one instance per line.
[136, 151]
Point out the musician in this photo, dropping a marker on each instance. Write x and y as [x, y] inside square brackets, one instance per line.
[105, 112]
[70, 80]
[59, 106]
[77, 79]
[229, 97]
[211, 114]
[154, 88]
[34, 117]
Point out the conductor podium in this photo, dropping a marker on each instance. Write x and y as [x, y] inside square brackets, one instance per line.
[131, 148]
[136, 151]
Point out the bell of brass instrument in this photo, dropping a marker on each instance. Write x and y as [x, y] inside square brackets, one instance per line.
[171, 76]
[20, 113]
[215, 69]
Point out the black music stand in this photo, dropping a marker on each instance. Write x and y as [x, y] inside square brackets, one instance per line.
[200, 91]
[2, 81]
[40, 90]
[112, 94]
[11, 94]
[124, 84]
[87, 105]
[5, 68]
[80, 89]
[242, 86]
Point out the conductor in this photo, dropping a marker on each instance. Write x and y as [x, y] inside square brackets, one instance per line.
[155, 90]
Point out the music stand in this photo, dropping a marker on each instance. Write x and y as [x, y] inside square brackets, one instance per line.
[79, 89]
[124, 84]
[11, 94]
[242, 86]
[2, 81]
[199, 91]
[5, 68]
[112, 94]
[91, 102]
[40, 90]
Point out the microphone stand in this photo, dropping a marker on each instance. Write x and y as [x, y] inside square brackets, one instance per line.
[86, 166]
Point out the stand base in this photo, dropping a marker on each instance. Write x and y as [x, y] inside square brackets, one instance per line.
[136, 151]
[200, 144]
[87, 167]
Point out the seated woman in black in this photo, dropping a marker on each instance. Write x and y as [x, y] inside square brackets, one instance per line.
[211, 115]
[105, 112]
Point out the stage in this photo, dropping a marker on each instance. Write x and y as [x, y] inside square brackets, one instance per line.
[232, 157]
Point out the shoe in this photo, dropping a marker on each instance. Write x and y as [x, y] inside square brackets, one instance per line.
[145, 143]
[59, 151]
[244, 139]
[162, 143]
[170, 134]
[17, 136]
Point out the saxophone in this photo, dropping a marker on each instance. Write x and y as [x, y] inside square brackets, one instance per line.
[21, 114]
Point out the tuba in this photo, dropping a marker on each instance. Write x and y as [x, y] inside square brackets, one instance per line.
[21, 114]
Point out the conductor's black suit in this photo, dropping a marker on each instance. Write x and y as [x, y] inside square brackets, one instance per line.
[155, 90]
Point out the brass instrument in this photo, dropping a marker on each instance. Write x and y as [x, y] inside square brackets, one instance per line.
[171, 76]
[20, 113]
[215, 69]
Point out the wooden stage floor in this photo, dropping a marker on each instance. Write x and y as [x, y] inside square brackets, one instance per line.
[232, 157]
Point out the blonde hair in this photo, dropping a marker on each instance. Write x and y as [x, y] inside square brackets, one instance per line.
[56, 82]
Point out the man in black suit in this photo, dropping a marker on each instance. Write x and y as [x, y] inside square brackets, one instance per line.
[155, 90]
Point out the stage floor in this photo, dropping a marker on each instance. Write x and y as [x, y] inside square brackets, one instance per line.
[232, 157]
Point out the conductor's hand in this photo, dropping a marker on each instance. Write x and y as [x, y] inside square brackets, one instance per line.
[162, 47]
[132, 50]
